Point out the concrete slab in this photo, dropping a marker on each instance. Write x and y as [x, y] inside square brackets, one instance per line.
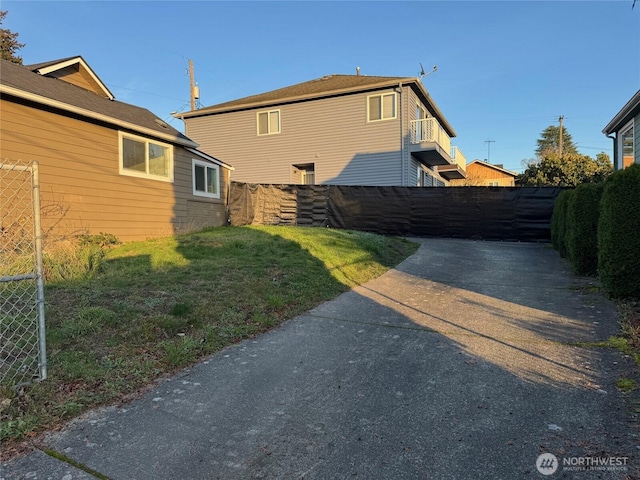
[460, 363]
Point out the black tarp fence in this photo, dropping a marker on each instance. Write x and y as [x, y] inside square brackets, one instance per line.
[488, 213]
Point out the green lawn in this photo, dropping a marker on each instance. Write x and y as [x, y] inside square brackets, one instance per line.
[118, 321]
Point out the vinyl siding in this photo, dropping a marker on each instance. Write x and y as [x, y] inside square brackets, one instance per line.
[81, 188]
[331, 133]
[636, 138]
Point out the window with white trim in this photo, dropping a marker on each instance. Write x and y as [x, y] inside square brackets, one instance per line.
[206, 179]
[141, 157]
[381, 107]
[626, 147]
[268, 122]
[494, 184]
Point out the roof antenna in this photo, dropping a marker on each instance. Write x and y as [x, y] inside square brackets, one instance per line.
[424, 74]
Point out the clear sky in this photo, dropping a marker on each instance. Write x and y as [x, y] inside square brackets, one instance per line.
[506, 69]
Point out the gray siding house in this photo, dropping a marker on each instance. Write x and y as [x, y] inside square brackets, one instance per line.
[338, 129]
[624, 129]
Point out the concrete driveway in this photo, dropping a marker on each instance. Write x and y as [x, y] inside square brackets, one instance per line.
[461, 363]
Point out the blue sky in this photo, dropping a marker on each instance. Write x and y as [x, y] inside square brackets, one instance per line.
[506, 69]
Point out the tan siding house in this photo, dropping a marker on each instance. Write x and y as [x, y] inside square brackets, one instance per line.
[481, 173]
[338, 129]
[105, 166]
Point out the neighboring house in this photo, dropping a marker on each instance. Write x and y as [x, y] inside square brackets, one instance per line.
[338, 129]
[480, 173]
[105, 166]
[624, 129]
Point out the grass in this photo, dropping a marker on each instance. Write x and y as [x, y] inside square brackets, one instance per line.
[119, 318]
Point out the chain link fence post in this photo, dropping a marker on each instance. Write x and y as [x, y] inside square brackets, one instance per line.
[22, 310]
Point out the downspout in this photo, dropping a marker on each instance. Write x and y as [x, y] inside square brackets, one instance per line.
[615, 150]
[404, 168]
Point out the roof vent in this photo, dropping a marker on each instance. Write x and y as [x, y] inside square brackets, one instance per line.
[161, 123]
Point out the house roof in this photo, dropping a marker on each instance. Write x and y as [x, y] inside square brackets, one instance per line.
[23, 82]
[76, 64]
[630, 110]
[209, 158]
[327, 86]
[495, 167]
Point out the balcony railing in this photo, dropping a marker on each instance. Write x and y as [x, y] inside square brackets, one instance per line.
[430, 130]
[458, 157]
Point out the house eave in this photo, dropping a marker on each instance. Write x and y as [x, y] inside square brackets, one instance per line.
[5, 89]
[630, 110]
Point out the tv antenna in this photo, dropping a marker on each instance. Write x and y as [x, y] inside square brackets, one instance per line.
[424, 74]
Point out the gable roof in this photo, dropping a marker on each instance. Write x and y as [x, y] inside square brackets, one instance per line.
[630, 110]
[21, 82]
[327, 86]
[55, 68]
[495, 167]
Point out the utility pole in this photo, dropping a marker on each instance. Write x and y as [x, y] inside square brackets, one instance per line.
[192, 88]
[489, 142]
[560, 142]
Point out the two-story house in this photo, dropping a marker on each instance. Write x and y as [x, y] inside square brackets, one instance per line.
[338, 129]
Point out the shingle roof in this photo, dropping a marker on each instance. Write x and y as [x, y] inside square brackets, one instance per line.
[626, 113]
[318, 87]
[24, 80]
[37, 66]
[329, 85]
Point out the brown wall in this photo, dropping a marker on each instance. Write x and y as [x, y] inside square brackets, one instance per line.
[481, 175]
[82, 190]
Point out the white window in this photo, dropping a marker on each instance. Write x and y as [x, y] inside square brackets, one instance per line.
[626, 147]
[381, 107]
[494, 184]
[268, 122]
[141, 157]
[206, 179]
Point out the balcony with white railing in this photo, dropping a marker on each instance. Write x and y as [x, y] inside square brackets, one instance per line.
[456, 170]
[431, 145]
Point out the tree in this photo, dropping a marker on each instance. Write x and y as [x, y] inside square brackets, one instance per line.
[9, 44]
[550, 141]
[570, 170]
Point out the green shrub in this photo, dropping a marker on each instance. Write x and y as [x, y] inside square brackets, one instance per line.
[583, 211]
[559, 222]
[619, 234]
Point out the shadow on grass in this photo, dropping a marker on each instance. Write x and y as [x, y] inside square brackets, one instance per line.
[157, 306]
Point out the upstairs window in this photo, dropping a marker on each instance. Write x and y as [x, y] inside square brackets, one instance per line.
[269, 122]
[140, 157]
[381, 107]
[206, 179]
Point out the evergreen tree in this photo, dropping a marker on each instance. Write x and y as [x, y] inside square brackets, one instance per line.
[9, 44]
[550, 142]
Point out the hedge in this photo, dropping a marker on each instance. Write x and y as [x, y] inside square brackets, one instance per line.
[619, 234]
[559, 222]
[581, 237]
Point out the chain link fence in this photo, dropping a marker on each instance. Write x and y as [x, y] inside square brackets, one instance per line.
[22, 341]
